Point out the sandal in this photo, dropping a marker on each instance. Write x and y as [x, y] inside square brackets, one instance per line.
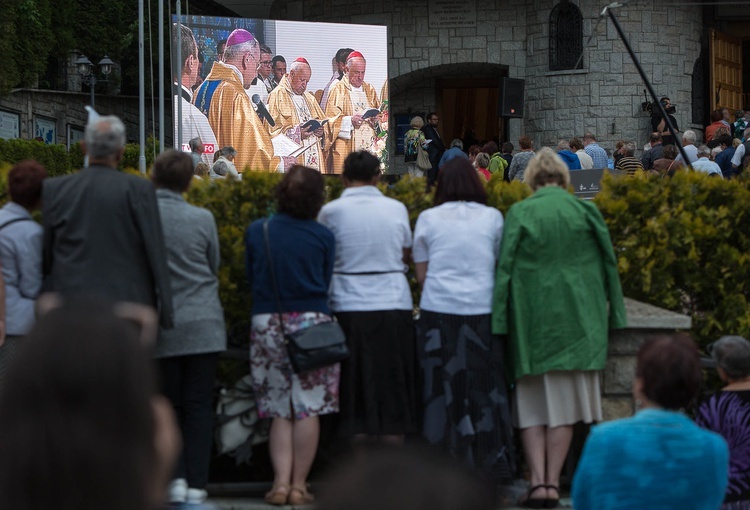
[299, 495]
[278, 494]
[529, 502]
[553, 502]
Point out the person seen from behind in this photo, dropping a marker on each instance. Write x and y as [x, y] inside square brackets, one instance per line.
[658, 458]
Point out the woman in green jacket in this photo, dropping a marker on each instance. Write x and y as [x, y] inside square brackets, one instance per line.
[557, 272]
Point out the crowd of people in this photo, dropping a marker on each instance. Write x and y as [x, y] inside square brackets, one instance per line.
[528, 298]
[722, 155]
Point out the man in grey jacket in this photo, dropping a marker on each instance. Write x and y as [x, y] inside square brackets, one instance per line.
[102, 233]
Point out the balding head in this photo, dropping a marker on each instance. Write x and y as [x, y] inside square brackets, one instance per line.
[355, 70]
[105, 140]
[299, 76]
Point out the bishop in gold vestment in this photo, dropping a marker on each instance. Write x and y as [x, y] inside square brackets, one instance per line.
[348, 99]
[291, 106]
[230, 113]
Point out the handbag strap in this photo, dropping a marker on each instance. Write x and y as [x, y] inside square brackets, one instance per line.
[267, 243]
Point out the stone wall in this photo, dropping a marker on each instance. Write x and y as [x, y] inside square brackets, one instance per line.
[68, 108]
[604, 97]
[644, 321]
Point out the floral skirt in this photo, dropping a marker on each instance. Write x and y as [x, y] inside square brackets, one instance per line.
[280, 393]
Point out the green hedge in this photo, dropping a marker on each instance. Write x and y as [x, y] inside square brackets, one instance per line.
[55, 158]
[682, 243]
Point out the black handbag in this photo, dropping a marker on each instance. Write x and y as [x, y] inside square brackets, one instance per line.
[313, 347]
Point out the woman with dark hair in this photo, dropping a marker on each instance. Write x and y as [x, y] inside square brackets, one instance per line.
[20, 255]
[658, 458]
[667, 165]
[372, 301]
[557, 294]
[81, 424]
[464, 398]
[302, 252]
[727, 412]
[188, 353]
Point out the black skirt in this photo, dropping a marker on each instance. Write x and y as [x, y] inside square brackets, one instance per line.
[466, 411]
[377, 392]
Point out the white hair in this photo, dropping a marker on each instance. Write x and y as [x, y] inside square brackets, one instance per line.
[563, 145]
[236, 51]
[689, 136]
[297, 65]
[105, 137]
[703, 150]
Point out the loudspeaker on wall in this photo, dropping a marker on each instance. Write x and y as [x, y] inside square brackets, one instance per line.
[511, 98]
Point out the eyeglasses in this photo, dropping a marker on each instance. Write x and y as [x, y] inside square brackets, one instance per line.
[265, 62]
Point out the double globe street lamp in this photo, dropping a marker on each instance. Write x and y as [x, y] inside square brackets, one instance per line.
[86, 70]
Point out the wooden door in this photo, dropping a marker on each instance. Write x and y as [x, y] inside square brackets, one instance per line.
[469, 104]
[726, 71]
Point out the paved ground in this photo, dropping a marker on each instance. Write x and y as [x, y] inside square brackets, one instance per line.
[259, 504]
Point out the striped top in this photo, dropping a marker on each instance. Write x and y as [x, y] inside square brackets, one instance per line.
[629, 164]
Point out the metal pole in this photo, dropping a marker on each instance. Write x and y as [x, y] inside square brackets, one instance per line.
[141, 91]
[161, 76]
[178, 75]
[650, 87]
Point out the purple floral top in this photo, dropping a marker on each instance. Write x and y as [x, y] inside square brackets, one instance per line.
[728, 413]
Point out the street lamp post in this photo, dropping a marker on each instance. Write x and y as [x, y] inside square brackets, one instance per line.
[86, 70]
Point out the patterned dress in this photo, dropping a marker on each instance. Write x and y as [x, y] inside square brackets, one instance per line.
[728, 413]
[279, 391]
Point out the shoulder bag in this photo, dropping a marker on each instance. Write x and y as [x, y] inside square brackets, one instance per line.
[423, 159]
[313, 347]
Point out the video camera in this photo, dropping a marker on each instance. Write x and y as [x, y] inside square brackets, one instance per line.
[648, 106]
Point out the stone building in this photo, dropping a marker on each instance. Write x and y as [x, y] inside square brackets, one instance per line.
[450, 56]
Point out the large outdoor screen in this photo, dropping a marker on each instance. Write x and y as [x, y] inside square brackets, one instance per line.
[276, 92]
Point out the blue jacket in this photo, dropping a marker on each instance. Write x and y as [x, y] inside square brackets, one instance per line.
[571, 159]
[656, 459]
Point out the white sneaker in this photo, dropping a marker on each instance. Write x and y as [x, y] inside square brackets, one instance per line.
[178, 490]
[195, 496]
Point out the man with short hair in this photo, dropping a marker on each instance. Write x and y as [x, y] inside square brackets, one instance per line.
[456, 151]
[659, 124]
[350, 99]
[194, 123]
[688, 144]
[278, 70]
[338, 64]
[704, 164]
[656, 151]
[568, 156]
[521, 160]
[291, 106]
[597, 154]
[628, 163]
[224, 167]
[102, 234]
[435, 148]
[261, 84]
[197, 150]
[222, 98]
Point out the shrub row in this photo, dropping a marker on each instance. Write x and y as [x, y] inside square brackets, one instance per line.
[681, 243]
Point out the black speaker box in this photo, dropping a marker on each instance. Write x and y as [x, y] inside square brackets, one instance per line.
[511, 98]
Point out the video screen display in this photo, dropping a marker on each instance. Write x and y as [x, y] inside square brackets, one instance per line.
[281, 93]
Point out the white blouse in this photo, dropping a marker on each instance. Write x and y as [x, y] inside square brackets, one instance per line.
[460, 241]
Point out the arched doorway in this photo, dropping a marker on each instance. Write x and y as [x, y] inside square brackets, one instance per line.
[465, 97]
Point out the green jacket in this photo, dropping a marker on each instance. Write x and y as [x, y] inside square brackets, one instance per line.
[497, 163]
[557, 271]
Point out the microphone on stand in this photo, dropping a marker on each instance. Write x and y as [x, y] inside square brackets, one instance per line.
[261, 110]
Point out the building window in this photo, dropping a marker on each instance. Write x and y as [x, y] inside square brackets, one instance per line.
[565, 37]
